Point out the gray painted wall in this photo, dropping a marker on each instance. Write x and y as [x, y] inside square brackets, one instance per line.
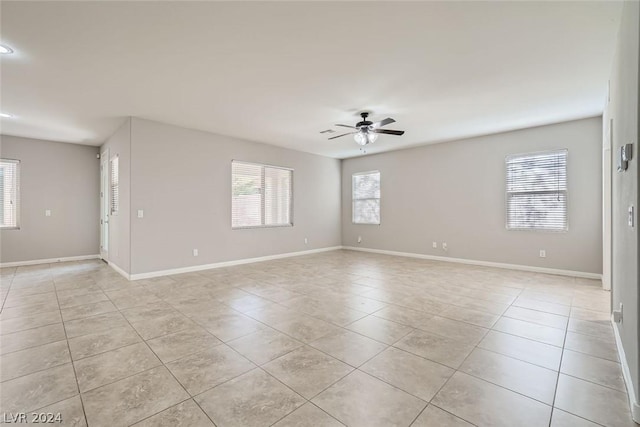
[120, 224]
[181, 178]
[63, 178]
[455, 193]
[623, 109]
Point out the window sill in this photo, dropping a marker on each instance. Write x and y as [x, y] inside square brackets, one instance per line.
[249, 227]
[539, 230]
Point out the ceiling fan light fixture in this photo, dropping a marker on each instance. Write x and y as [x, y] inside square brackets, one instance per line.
[364, 137]
[366, 132]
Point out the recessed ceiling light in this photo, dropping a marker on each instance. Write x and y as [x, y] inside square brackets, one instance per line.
[6, 116]
[5, 49]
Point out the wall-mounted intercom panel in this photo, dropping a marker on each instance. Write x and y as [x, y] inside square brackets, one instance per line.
[624, 156]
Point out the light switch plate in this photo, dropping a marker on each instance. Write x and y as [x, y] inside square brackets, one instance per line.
[140, 213]
[617, 315]
[47, 212]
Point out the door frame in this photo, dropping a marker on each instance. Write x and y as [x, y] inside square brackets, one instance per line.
[607, 206]
[104, 205]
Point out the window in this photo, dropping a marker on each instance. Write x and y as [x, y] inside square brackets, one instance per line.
[115, 185]
[366, 197]
[261, 195]
[9, 193]
[537, 191]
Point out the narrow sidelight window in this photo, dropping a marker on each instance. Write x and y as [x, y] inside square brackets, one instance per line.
[115, 185]
[9, 193]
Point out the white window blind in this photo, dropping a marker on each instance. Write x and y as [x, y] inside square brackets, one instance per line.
[261, 195]
[9, 193]
[537, 191]
[115, 185]
[366, 197]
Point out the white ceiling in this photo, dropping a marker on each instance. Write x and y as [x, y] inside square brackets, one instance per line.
[281, 72]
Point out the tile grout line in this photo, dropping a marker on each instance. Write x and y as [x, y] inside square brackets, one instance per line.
[70, 360]
[476, 346]
[160, 336]
[161, 364]
[4, 300]
[338, 326]
[303, 345]
[458, 370]
[154, 367]
[256, 366]
[73, 366]
[555, 392]
[179, 403]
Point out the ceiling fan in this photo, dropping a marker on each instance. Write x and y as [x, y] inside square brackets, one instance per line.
[366, 132]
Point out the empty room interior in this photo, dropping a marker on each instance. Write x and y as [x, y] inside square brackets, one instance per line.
[254, 214]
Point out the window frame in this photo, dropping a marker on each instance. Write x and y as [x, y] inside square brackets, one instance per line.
[565, 191]
[17, 204]
[353, 199]
[262, 203]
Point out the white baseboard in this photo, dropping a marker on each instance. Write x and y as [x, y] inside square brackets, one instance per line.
[626, 374]
[545, 270]
[225, 264]
[119, 270]
[48, 261]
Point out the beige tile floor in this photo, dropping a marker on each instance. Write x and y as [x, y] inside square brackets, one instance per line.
[338, 338]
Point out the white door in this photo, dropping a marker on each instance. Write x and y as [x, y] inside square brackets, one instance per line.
[104, 205]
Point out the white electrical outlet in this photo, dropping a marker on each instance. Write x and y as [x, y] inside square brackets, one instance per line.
[195, 252]
[140, 213]
[47, 212]
[543, 253]
[434, 244]
[444, 246]
[359, 239]
[306, 241]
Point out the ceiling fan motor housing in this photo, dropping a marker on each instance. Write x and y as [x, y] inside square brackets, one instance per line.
[364, 121]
